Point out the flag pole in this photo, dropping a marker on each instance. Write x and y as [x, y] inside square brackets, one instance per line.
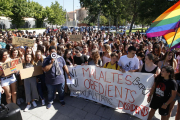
[170, 46]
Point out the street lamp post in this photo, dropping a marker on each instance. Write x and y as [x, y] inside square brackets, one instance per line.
[73, 14]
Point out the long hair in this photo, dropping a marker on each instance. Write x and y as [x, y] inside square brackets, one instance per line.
[36, 59]
[11, 52]
[166, 55]
[2, 51]
[95, 56]
[32, 60]
[169, 69]
[107, 48]
[159, 49]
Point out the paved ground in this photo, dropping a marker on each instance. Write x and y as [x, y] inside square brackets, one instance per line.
[77, 109]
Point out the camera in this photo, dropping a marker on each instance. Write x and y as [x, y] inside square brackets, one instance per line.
[54, 55]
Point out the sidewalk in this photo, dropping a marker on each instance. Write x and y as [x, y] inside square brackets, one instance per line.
[78, 109]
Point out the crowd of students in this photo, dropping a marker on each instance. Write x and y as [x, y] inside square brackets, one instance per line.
[119, 51]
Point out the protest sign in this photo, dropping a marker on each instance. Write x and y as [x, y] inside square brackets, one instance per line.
[11, 66]
[75, 37]
[23, 42]
[126, 92]
[30, 72]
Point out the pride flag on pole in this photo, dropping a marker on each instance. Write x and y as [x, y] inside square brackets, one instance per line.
[169, 38]
[166, 22]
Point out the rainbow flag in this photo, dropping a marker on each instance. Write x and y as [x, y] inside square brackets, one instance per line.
[166, 22]
[169, 38]
[13, 69]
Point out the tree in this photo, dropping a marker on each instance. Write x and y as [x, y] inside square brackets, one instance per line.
[39, 13]
[81, 14]
[5, 7]
[55, 14]
[20, 9]
[149, 10]
[103, 20]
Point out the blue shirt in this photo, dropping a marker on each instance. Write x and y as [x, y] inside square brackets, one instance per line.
[50, 76]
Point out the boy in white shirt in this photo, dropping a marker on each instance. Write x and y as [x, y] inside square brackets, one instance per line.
[129, 62]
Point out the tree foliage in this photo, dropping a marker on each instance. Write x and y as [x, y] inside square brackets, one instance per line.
[20, 9]
[39, 13]
[55, 14]
[5, 7]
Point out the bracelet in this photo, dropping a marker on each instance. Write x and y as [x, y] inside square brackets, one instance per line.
[165, 104]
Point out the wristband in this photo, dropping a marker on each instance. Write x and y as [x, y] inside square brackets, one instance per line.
[165, 104]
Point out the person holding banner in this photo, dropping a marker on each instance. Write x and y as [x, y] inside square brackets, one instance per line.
[113, 63]
[149, 66]
[54, 76]
[163, 91]
[8, 82]
[95, 59]
[129, 62]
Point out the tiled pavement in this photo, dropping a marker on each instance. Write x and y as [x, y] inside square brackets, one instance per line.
[78, 109]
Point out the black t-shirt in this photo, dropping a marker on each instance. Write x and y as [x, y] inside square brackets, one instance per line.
[163, 89]
[80, 60]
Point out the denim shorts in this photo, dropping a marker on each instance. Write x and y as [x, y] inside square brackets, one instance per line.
[177, 98]
[6, 81]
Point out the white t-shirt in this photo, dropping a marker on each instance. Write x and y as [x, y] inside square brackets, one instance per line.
[128, 63]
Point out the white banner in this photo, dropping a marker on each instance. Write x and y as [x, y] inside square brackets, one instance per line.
[126, 92]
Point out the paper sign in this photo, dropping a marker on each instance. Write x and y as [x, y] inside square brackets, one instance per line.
[30, 72]
[126, 92]
[69, 81]
[75, 37]
[23, 42]
[11, 66]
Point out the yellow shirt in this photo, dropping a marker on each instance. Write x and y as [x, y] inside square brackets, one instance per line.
[109, 66]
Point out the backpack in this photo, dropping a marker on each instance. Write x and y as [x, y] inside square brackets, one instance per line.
[115, 63]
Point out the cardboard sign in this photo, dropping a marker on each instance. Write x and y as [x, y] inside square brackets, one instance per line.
[31, 72]
[75, 37]
[11, 66]
[126, 92]
[23, 41]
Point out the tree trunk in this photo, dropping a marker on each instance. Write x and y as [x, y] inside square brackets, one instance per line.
[116, 23]
[132, 22]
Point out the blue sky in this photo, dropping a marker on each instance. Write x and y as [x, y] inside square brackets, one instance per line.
[68, 4]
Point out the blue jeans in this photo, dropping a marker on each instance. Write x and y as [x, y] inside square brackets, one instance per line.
[52, 89]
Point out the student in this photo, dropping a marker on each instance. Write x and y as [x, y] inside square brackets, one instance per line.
[163, 91]
[40, 78]
[79, 58]
[8, 83]
[149, 66]
[106, 54]
[30, 84]
[129, 62]
[95, 58]
[113, 63]
[177, 78]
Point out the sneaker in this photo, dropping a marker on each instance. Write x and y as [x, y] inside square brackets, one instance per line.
[18, 101]
[22, 100]
[43, 102]
[49, 105]
[27, 108]
[62, 103]
[34, 104]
